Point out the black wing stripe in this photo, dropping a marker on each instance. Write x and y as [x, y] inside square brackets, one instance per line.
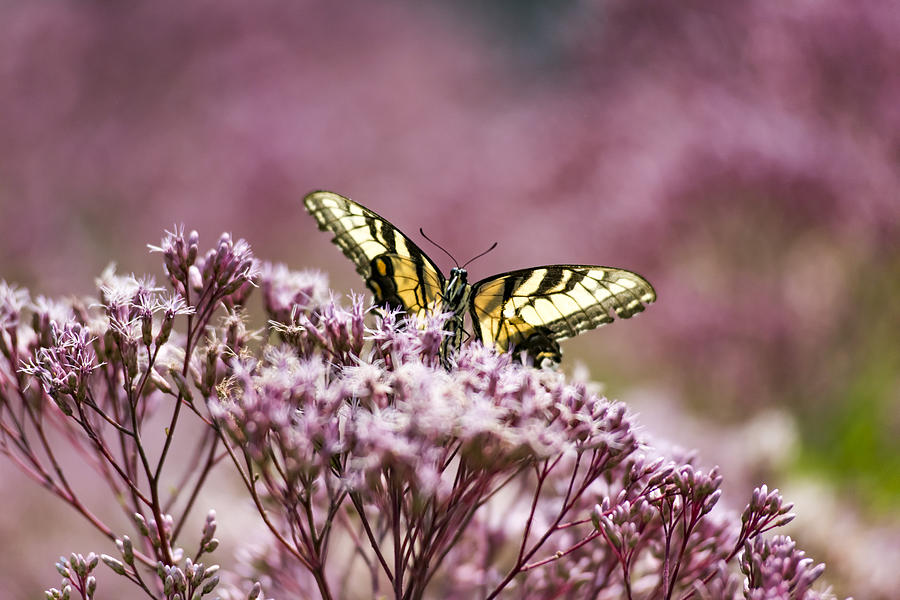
[509, 288]
[551, 280]
[378, 231]
[418, 259]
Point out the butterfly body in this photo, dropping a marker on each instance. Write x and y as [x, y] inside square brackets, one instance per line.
[455, 300]
[527, 311]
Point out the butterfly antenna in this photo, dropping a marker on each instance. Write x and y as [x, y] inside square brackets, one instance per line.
[439, 247]
[494, 245]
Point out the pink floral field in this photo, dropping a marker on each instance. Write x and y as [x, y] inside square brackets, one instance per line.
[743, 157]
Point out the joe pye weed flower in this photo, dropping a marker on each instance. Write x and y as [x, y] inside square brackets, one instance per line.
[378, 472]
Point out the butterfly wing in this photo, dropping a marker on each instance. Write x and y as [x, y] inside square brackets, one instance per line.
[531, 310]
[399, 274]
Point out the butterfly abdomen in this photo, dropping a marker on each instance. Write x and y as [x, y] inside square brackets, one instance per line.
[454, 300]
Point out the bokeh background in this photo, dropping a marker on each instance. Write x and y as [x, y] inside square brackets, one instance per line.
[743, 156]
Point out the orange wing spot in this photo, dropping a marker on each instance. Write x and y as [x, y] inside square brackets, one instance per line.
[381, 265]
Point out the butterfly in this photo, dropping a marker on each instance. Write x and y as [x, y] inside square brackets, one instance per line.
[527, 311]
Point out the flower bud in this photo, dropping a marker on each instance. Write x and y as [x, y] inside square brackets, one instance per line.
[114, 564]
[165, 330]
[195, 279]
[193, 246]
[211, 584]
[62, 566]
[127, 550]
[147, 330]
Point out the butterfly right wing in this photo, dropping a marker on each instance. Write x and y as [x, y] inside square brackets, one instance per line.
[531, 310]
[399, 274]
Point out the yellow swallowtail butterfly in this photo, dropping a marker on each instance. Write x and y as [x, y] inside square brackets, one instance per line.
[527, 311]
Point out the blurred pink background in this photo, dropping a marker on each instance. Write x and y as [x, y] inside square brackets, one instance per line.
[744, 157]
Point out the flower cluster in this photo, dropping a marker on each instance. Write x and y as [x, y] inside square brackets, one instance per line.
[468, 482]
[775, 568]
[86, 376]
[363, 453]
[77, 572]
[64, 366]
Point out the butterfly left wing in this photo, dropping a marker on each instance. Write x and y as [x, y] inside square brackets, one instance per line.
[531, 310]
[399, 274]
